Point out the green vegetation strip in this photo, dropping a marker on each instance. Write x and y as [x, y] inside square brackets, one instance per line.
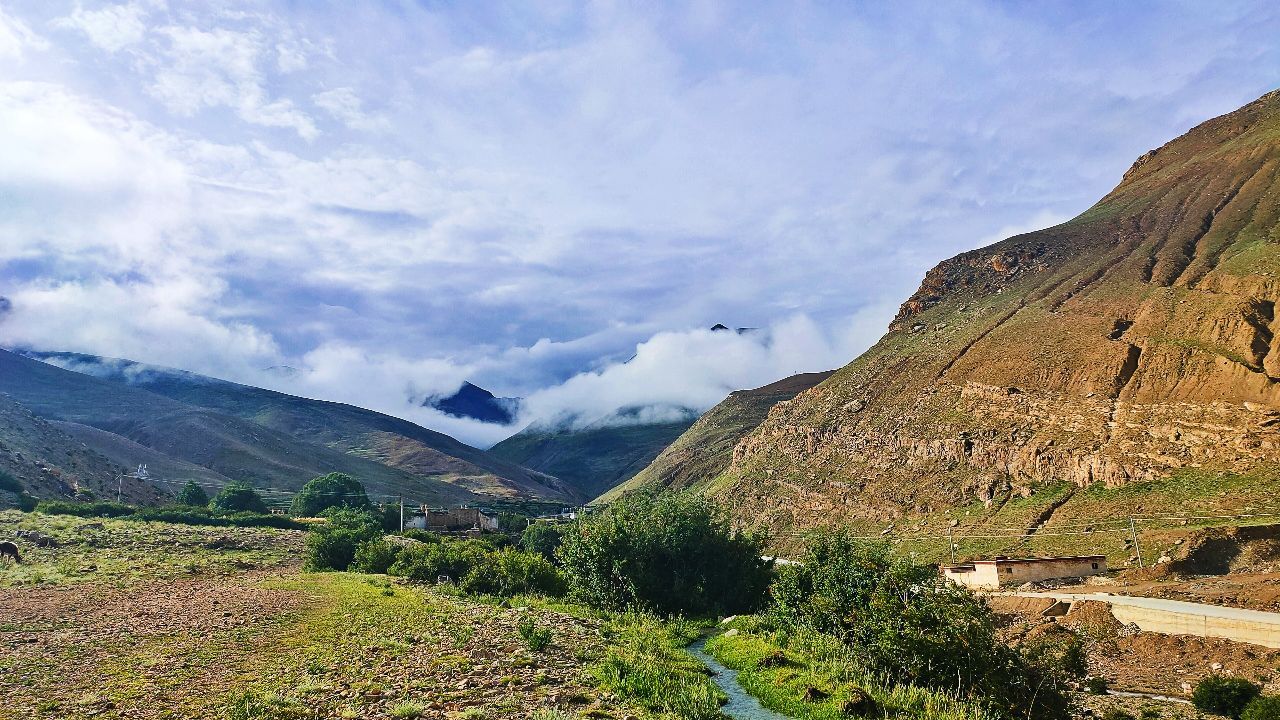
[811, 677]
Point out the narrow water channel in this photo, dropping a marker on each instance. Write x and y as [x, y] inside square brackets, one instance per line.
[741, 704]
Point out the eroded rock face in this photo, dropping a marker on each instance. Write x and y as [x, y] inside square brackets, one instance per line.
[1135, 340]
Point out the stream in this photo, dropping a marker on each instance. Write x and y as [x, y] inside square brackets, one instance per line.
[741, 704]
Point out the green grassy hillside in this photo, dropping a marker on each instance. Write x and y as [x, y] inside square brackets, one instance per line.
[705, 450]
[591, 459]
[387, 440]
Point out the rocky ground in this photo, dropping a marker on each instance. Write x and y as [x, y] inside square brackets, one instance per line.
[265, 641]
[1135, 661]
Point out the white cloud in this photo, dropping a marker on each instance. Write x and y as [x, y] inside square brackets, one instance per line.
[111, 28]
[345, 105]
[16, 37]
[219, 68]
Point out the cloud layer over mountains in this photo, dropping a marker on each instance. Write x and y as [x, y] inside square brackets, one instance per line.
[393, 198]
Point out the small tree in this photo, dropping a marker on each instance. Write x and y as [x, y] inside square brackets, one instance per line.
[542, 538]
[333, 490]
[332, 545]
[237, 497]
[1223, 695]
[670, 553]
[193, 495]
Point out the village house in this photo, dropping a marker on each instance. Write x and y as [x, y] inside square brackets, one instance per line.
[452, 520]
[1011, 572]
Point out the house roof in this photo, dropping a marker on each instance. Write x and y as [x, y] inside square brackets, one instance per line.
[969, 566]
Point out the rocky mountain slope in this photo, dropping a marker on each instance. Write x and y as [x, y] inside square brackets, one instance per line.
[49, 463]
[1131, 347]
[249, 433]
[704, 451]
[593, 458]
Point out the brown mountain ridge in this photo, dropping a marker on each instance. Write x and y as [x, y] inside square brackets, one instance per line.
[1133, 344]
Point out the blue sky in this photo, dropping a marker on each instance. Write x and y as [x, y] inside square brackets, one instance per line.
[392, 197]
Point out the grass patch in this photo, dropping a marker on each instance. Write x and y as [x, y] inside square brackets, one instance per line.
[812, 677]
[646, 663]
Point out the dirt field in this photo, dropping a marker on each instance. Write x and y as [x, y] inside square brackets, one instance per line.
[262, 642]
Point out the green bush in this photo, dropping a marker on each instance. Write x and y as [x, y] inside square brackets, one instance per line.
[328, 491]
[543, 538]
[1262, 708]
[374, 556]
[1117, 714]
[192, 495]
[429, 562]
[670, 553]
[535, 638]
[902, 622]
[422, 536]
[510, 572]
[27, 502]
[1223, 695]
[85, 509]
[9, 483]
[237, 497]
[332, 545]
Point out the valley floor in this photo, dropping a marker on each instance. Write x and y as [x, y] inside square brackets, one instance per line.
[235, 630]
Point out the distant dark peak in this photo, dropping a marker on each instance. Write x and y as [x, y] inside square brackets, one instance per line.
[718, 327]
[281, 371]
[476, 403]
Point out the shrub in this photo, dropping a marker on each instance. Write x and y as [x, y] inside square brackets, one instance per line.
[543, 538]
[192, 495]
[9, 483]
[535, 637]
[421, 535]
[85, 509]
[1117, 714]
[1262, 708]
[374, 556]
[1222, 695]
[1096, 685]
[671, 553]
[900, 621]
[332, 545]
[427, 563]
[27, 502]
[237, 497]
[510, 572]
[327, 491]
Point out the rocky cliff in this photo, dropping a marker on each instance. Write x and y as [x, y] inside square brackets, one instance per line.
[1128, 344]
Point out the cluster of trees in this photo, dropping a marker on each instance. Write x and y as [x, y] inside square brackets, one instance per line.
[669, 553]
[318, 495]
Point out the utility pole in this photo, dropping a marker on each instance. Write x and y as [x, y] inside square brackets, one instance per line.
[951, 545]
[119, 488]
[401, 513]
[1137, 549]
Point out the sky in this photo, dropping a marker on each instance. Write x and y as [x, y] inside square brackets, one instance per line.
[556, 200]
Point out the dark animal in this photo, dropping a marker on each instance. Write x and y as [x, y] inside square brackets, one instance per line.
[8, 549]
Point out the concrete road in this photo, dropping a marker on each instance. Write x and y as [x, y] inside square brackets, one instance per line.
[1177, 617]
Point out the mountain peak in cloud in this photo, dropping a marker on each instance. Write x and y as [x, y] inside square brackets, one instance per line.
[474, 402]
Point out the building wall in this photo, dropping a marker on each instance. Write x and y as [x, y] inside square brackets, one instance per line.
[993, 574]
[982, 577]
[1024, 572]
